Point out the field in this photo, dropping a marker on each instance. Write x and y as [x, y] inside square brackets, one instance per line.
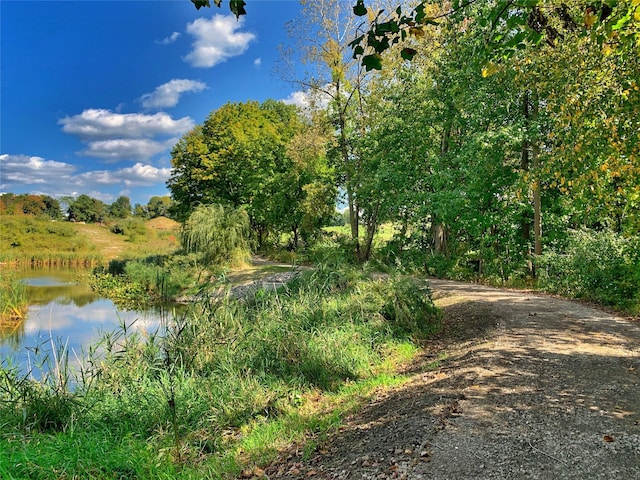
[29, 240]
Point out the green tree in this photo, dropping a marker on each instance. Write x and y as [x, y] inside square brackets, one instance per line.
[238, 157]
[159, 206]
[86, 209]
[121, 208]
[219, 234]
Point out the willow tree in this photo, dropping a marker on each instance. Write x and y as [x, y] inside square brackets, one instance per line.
[218, 234]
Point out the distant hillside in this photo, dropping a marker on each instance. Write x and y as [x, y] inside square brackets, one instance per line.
[29, 239]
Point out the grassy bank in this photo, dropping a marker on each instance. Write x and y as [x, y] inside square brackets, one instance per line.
[29, 240]
[227, 385]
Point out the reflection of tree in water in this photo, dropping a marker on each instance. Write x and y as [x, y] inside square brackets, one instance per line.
[12, 333]
[78, 295]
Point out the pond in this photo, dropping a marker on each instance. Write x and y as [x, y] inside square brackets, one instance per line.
[65, 313]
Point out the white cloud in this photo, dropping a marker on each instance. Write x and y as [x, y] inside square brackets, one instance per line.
[313, 99]
[170, 39]
[18, 169]
[216, 40]
[23, 173]
[96, 123]
[136, 176]
[126, 148]
[168, 94]
[257, 62]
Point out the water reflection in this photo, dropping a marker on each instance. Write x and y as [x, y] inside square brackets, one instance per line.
[63, 311]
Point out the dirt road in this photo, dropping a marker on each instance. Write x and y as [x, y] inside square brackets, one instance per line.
[524, 387]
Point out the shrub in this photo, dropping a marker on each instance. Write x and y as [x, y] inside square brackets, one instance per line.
[600, 266]
[132, 228]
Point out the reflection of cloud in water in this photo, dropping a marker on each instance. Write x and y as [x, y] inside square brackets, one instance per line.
[74, 326]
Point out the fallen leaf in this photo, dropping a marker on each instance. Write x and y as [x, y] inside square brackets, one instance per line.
[608, 438]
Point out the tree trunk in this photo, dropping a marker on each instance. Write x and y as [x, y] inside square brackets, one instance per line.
[537, 203]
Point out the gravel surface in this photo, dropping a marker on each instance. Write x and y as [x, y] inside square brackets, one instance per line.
[525, 387]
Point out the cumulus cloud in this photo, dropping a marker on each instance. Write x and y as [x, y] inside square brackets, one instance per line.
[314, 99]
[23, 173]
[170, 39]
[20, 169]
[126, 148]
[97, 123]
[168, 94]
[216, 40]
[138, 175]
[257, 62]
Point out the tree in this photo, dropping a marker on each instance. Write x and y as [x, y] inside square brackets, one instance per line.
[322, 35]
[159, 206]
[528, 22]
[613, 22]
[86, 209]
[219, 234]
[121, 208]
[238, 158]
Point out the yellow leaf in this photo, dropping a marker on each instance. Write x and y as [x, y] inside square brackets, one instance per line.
[490, 69]
[416, 32]
[590, 17]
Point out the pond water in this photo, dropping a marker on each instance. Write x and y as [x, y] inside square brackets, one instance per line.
[65, 312]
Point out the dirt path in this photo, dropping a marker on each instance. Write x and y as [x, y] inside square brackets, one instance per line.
[525, 387]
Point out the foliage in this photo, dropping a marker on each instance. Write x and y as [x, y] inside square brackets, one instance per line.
[86, 209]
[38, 205]
[217, 233]
[143, 281]
[121, 208]
[507, 26]
[597, 266]
[241, 157]
[133, 228]
[160, 206]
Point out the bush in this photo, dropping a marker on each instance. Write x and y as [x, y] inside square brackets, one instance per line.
[132, 228]
[599, 266]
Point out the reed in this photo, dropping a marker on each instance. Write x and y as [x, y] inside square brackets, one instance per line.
[13, 300]
[224, 377]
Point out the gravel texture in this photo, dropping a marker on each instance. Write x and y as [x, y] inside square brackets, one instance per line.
[525, 387]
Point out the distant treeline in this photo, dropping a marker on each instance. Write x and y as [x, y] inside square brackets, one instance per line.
[83, 208]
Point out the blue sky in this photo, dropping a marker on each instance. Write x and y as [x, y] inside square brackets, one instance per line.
[95, 93]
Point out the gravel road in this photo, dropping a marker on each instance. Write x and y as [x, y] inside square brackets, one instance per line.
[516, 386]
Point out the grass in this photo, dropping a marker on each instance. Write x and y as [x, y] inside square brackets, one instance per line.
[31, 240]
[13, 301]
[223, 388]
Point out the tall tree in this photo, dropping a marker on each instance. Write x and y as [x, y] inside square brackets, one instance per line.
[239, 158]
[121, 208]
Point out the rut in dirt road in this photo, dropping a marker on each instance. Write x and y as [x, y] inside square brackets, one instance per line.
[530, 387]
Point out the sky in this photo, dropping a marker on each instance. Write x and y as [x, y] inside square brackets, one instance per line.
[94, 94]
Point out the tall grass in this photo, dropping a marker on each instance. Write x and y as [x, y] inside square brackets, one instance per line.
[224, 377]
[13, 300]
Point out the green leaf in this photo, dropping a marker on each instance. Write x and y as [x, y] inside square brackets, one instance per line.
[359, 9]
[202, 3]
[372, 62]
[408, 53]
[237, 7]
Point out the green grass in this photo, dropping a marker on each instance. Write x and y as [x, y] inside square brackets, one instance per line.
[13, 300]
[29, 240]
[229, 384]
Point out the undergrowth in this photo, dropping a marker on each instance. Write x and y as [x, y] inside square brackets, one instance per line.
[220, 386]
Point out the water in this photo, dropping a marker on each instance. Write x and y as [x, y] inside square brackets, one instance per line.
[65, 312]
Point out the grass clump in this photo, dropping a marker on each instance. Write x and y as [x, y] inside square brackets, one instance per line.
[13, 300]
[226, 382]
